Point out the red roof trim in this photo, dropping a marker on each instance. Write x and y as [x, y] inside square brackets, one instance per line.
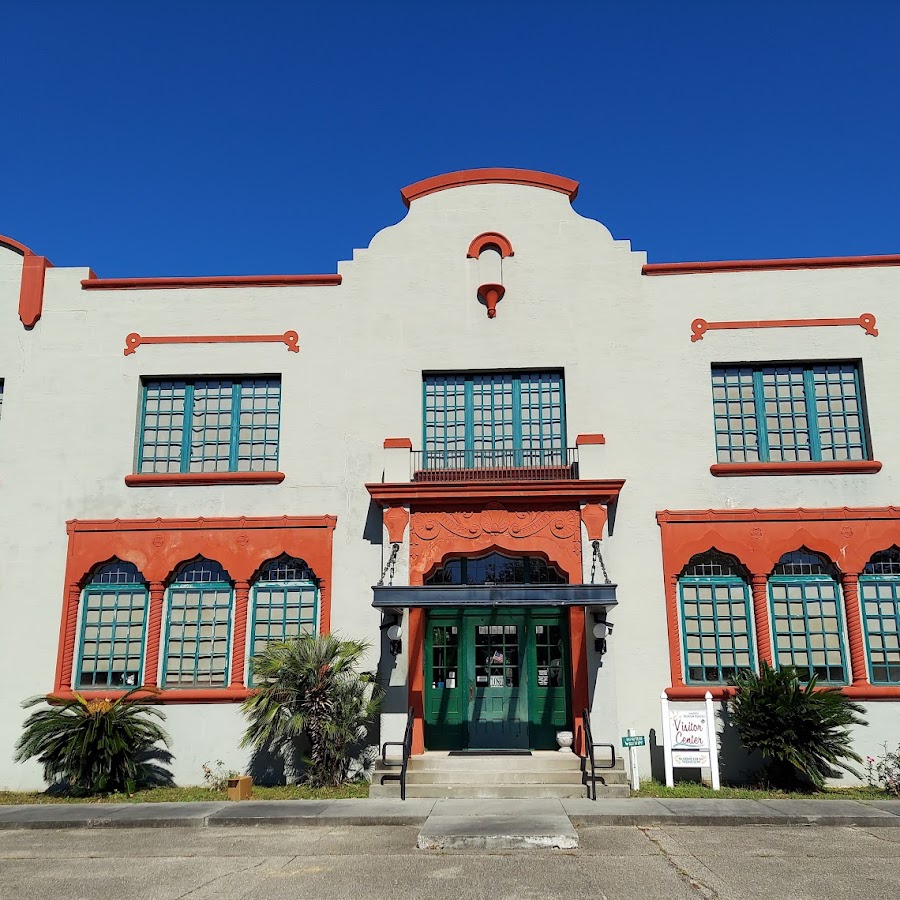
[216, 281]
[465, 177]
[9, 243]
[763, 265]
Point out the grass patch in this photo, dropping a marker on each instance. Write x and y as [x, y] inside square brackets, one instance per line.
[692, 790]
[191, 794]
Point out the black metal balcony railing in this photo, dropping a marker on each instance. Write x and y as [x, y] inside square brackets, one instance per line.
[495, 465]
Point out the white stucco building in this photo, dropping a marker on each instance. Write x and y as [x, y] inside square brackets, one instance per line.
[493, 403]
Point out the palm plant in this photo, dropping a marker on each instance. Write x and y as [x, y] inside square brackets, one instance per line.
[801, 730]
[310, 688]
[97, 746]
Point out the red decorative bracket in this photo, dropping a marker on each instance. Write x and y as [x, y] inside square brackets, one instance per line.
[290, 338]
[866, 321]
[492, 294]
[490, 239]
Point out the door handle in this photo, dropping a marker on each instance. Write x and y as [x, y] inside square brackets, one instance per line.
[471, 691]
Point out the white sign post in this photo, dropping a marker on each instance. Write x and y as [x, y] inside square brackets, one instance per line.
[689, 739]
[632, 758]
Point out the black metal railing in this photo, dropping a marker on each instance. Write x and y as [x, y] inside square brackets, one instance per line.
[495, 465]
[589, 764]
[403, 762]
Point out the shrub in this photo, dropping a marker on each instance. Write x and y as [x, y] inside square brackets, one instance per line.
[97, 746]
[216, 776]
[884, 772]
[310, 688]
[801, 731]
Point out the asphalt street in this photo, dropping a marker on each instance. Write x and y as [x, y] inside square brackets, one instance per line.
[382, 863]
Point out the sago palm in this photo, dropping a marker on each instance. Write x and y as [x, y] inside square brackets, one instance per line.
[96, 746]
[801, 730]
[310, 687]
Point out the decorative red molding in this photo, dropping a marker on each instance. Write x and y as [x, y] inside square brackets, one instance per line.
[31, 291]
[594, 517]
[217, 281]
[158, 546]
[491, 295]
[580, 689]
[834, 467]
[239, 633]
[763, 265]
[759, 587]
[397, 444]
[869, 693]
[866, 321]
[588, 439]
[490, 239]
[466, 177]
[154, 632]
[173, 479]
[416, 669]
[396, 518]
[855, 640]
[290, 338]
[10, 244]
[168, 695]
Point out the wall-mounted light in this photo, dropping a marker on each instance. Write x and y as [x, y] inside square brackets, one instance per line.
[395, 635]
[601, 631]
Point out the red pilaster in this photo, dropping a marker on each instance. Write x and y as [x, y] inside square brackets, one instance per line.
[850, 584]
[154, 633]
[760, 590]
[580, 692]
[416, 676]
[239, 644]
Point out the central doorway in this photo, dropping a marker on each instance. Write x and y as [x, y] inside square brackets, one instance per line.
[496, 679]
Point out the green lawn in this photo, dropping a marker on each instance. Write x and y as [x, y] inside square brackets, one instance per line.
[693, 790]
[187, 794]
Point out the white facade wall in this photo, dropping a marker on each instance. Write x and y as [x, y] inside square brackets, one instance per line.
[575, 299]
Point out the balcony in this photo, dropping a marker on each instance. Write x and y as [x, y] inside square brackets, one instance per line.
[515, 464]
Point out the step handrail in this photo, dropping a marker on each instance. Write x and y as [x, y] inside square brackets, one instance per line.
[402, 763]
[588, 759]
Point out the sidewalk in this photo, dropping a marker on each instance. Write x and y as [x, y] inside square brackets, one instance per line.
[485, 816]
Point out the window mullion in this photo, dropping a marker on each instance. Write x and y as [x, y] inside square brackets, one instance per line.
[812, 418]
[140, 454]
[187, 427]
[469, 418]
[518, 443]
[759, 403]
[235, 426]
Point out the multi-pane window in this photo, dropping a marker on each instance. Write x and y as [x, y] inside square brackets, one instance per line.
[210, 425]
[806, 617]
[494, 419]
[496, 568]
[496, 656]
[285, 602]
[113, 620]
[198, 629]
[799, 412]
[715, 619]
[879, 593]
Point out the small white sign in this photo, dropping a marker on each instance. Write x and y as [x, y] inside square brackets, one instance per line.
[690, 760]
[689, 739]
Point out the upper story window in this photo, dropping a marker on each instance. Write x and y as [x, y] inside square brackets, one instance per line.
[209, 425]
[494, 419]
[797, 412]
[497, 568]
[879, 592]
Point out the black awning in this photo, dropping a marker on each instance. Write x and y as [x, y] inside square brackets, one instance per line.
[494, 595]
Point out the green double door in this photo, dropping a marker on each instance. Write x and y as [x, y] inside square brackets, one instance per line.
[496, 680]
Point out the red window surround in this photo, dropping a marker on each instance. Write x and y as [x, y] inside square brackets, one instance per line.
[157, 547]
[758, 538]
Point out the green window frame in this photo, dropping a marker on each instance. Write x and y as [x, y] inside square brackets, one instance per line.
[792, 412]
[285, 603]
[496, 568]
[113, 631]
[488, 420]
[209, 425]
[807, 621]
[716, 619]
[879, 594]
[197, 649]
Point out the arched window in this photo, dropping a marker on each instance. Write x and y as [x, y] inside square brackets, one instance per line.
[496, 568]
[715, 619]
[198, 628]
[879, 592]
[285, 602]
[113, 622]
[807, 625]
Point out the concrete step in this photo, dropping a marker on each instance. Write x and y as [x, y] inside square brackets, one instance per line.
[417, 777]
[495, 791]
[544, 762]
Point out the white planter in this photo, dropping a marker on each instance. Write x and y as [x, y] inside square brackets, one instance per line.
[565, 739]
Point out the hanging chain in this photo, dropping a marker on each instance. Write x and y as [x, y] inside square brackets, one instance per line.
[392, 561]
[598, 557]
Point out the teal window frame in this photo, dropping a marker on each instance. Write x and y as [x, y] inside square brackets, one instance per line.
[807, 588]
[789, 412]
[209, 578]
[879, 597]
[712, 575]
[216, 424]
[118, 580]
[491, 419]
[275, 579]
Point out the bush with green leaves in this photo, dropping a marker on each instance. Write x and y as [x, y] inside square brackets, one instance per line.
[97, 746]
[801, 730]
[310, 690]
[884, 772]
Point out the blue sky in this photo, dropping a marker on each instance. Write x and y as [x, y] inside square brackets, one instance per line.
[199, 137]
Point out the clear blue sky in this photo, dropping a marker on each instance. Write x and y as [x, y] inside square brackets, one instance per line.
[199, 137]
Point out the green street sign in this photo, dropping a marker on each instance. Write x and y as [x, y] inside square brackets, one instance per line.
[637, 740]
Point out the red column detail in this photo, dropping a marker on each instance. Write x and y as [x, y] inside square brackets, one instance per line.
[415, 676]
[759, 585]
[154, 632]
[674, 631]
[580, 693]
[73, 597]
[239, 642]
[850, 584]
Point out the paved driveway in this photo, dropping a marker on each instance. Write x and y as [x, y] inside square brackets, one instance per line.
[381, 863]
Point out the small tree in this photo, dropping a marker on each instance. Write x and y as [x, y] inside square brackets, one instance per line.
[96, 746]
[310, 687]
[799, 729]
